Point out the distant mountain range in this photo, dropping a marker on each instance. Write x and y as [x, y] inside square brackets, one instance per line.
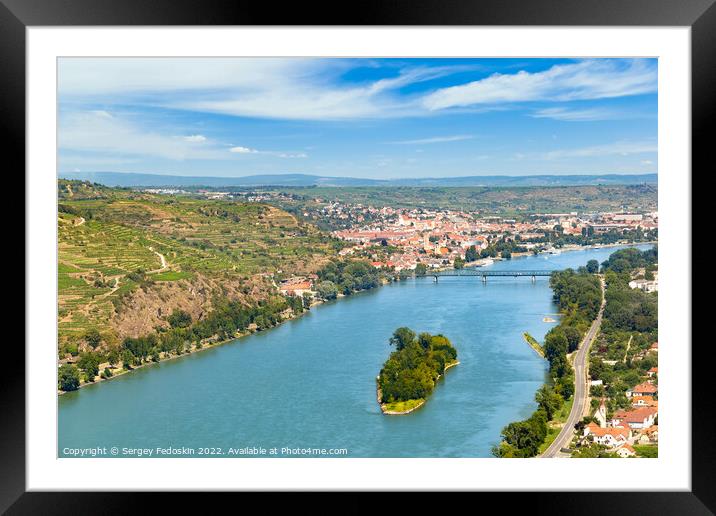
[297, 180]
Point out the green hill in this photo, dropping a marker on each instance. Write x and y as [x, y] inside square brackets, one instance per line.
[127, 259]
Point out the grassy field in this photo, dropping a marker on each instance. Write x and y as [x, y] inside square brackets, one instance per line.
[647, 450]
[109, 242]
[402, 406]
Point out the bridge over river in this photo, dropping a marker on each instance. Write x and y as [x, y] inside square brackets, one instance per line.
[484, 274]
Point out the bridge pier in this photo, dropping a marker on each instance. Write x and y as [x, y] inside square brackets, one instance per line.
[436, 279]
[484, 278]
[534, 278]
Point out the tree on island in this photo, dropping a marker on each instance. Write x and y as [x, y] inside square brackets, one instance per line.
[420, 269]
[471, 254]
[459, 263]
[412, 369]
[401, 338]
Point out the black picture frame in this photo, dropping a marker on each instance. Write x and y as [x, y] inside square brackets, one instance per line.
[700, 15]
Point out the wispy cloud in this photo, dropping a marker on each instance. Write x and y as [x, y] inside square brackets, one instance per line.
[436, 139]
[289, 155]
[114, 137]
[243, 150]
[622, 148]
[308, 98]
[291, 89]
[103, 132]
[590, 79]
[577, 115]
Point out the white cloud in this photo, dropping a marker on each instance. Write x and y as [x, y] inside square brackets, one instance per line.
[576, 115]
[590, 79]
[282, 88]
[110, 138]
[437, 139]
[243, 150]
[611, 149]
[248, 150]
[82, 76]
[100, 131]
[290, 156]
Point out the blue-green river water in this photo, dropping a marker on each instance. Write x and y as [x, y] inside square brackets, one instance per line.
[310, 383]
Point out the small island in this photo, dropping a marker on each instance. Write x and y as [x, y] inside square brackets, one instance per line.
[409, 375]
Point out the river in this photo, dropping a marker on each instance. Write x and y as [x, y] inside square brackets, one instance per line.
[310, 383]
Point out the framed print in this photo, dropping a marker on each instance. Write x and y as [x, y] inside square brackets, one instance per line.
[416, 253]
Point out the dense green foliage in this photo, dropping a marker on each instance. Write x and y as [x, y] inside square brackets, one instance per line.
[68, 377]
[416, 364]
[179, 319]
[626, 260]
[89, 364]
[523, 438]
[629, 327]
[346, 277]
[578, 295]
[503, 248]
[226, 320]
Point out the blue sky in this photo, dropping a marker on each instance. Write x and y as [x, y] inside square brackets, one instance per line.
[373, 118]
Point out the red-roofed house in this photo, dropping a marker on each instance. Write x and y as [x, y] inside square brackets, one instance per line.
[296, 289]
[644, 401]
[653, 371]
[637, 418]
[610, 437]
[643, 389]
[626, 451]
[653, 433]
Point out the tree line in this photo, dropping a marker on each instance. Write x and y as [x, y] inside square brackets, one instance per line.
[578, 296]
[346, 277]
[222, 323]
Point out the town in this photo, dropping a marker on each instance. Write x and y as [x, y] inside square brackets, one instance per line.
[444, 238]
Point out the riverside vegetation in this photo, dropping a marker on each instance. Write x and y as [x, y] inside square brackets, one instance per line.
[578, 296]
[629, 325]
[409, 375]
[145, 277]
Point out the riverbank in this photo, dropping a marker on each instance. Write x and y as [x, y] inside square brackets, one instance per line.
[163, 357]
[167, 356]
[401, 408]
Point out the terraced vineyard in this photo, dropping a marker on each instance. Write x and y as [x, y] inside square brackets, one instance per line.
[113, 242]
